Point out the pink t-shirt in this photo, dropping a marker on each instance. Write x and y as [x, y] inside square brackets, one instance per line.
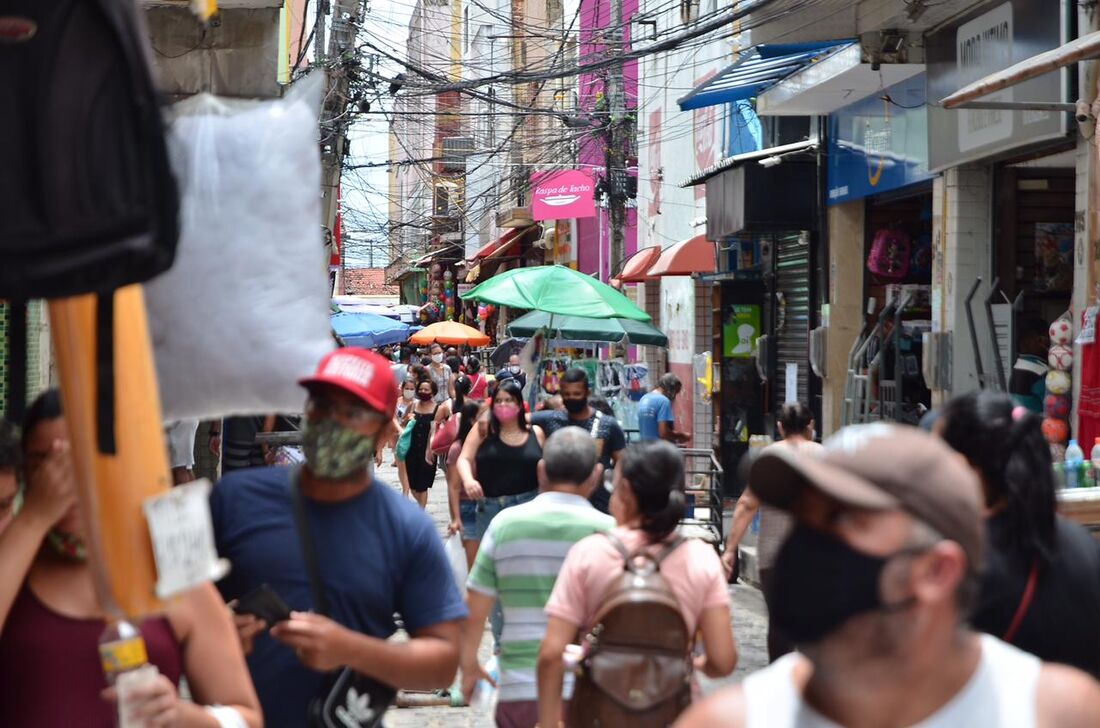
[693, 572]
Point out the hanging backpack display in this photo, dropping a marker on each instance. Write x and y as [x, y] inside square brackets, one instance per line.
[637, 670]
[890, 254]
[90, 204]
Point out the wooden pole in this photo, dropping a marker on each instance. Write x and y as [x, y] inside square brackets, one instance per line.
[113, 487]
[1084, 48]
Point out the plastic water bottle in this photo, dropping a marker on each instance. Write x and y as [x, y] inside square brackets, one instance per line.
[121, 649]
[1095, 464]
[1075, 458]
[484, 699]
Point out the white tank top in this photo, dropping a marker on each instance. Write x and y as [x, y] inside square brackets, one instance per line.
[1001, 693]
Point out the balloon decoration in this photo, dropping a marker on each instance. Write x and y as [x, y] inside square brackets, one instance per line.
[1055, 431]
[1056, 404]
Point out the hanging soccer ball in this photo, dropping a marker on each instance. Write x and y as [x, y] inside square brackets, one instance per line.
[1061, 332]
[1060, 357]
[1055, 431]
[1056, 406]
[1058, 382]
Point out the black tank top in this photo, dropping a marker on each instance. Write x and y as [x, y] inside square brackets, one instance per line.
[506, 470]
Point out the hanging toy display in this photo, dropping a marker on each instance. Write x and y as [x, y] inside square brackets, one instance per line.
[1056, 404]
[449, 294]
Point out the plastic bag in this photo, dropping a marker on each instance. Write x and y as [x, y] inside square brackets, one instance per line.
[456, 555]
[401, 450]
[244, 312]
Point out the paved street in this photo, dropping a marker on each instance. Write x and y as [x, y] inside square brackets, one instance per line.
[749, 623]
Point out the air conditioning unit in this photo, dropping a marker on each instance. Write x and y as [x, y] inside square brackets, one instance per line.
[455, 151]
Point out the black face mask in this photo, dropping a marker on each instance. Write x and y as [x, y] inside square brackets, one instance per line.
[820, 583]
[575, 406]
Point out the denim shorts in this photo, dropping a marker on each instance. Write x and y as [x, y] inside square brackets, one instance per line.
[467, 510]
[487, 508]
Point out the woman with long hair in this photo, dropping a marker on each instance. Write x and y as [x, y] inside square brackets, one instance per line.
[500, 469]
[648, 502]
[420, 462]
[1040, 588]
[51, 619]
[463, 510]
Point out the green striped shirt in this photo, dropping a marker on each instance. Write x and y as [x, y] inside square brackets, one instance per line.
[519, 559]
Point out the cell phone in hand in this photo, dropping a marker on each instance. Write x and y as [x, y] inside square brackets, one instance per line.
[265, 603]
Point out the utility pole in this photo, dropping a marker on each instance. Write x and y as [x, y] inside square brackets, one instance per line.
[340, 59]
[616, 140]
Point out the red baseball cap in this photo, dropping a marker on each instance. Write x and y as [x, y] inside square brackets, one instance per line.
[361, 373]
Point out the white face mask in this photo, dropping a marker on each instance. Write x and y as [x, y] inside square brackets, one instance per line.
[437, 358]
[514, 369]
[408, 394]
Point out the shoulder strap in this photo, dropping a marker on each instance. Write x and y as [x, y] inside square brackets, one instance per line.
[1025, 603]
[619, 546]
[596, 424]
[305, 539]
[663, 554]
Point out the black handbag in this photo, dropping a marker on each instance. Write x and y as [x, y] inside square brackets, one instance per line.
[347, 698]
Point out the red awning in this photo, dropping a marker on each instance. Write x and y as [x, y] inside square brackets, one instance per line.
[501, 245]
[636, 268]
[694, 255]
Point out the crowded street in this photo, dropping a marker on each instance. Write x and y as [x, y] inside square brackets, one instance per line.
[550, 364]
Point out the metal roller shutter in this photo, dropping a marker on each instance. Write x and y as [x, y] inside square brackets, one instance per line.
[792, 314]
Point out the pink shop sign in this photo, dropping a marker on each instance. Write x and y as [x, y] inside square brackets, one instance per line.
[562, 195]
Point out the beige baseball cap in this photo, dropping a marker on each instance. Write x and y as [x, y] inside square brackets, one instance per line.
[882, 467]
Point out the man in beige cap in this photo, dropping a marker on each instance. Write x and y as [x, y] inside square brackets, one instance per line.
[873, 586]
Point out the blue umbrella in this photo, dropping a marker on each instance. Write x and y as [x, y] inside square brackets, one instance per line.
[368, 330]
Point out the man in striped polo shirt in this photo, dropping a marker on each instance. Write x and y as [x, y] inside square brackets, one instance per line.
[518, 561]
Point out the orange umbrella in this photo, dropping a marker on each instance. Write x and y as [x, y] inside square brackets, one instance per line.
[450, 333]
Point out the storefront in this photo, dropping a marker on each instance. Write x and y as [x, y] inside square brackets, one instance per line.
[1006, 201]
[765, 296]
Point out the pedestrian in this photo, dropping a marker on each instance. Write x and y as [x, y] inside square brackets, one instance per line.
[462, 508]
[441, 374]
[522, 551]
[420, 462]
[479, 382]
[376, 554]
[577, 412]
[51, 618]
[796, 426]
[1040, 589]
[11, 463]
[181, 450]
[400, 368]
[513, 371]
[647, 502]
[457, 365]
[873, 586]
[239, 448]
[500, 469]
[655, 418]
[408, 398]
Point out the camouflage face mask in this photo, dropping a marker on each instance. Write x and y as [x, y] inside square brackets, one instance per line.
[335, 452]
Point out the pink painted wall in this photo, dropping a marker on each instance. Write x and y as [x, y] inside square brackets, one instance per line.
[595, 19]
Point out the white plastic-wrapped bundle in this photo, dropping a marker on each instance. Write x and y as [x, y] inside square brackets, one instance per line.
[244, 312]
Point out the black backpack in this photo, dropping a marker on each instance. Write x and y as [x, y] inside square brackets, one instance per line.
[87, 199]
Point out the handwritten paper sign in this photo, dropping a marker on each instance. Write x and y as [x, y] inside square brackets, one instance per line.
[183, 538]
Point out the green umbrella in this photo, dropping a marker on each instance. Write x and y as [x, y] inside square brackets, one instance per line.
[558, 290]
[583, 328]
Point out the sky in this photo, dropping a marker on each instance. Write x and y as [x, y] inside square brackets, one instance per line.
[387, 25]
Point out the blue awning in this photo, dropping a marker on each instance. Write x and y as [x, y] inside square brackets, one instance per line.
[755, 72]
